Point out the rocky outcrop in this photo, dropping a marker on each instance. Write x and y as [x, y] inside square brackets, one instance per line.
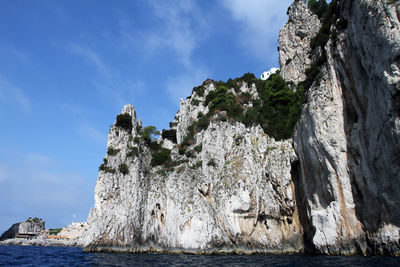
[233, 194]
[30, 226]
[294, 41]
[333, 189]
[348, 139]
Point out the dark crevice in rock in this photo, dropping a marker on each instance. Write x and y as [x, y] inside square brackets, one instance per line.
[301, 203]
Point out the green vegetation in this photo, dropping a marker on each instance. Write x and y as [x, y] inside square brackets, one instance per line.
[318, 7]
[277, 110]
[199, 90]
[150, 133]
[197, 165]
[103, 167]
[161, 157]
[198, 148]
[170, 135]
[34, 219]
[195, 102]
[211, 162]
[125, 122]
[55, 231]
[133, 152]
[112, 151]
[123, 168]
[330, 16]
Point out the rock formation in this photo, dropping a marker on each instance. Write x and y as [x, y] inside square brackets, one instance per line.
[30, 226]
[348, 139]
[233, 194]
[333, 188]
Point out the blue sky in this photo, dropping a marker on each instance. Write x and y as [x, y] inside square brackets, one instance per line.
[68, 67]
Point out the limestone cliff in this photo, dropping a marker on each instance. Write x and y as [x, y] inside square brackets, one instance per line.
[231, 191]
[226, 187]
[348, 139]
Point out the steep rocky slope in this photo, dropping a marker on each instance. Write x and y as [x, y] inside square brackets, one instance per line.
[230, 191]
[222, 186]
[348, 139]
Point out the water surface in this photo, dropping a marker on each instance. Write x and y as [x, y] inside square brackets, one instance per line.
[72, 256]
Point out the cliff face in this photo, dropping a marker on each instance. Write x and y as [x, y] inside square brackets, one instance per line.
[32, 226]
[294, 41]
[333, 189]
[230, 191]
[347, 141]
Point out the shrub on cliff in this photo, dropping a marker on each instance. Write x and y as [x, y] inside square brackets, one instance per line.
[160, 157]
[112, 151]
[123, 168]
[169, 134]
[124, 121]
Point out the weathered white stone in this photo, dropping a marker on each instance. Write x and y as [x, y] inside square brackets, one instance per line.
[234, 195]
[294, 41]
[348, 139]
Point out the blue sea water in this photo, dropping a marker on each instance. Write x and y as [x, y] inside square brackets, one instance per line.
[70, 256]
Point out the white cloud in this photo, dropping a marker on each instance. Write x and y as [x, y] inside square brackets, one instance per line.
[10, 94]
[177, 26]
[262, 20]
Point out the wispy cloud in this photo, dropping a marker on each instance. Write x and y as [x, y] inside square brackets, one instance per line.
[111, 84]
[92, 133]
[36, 185]
[10, 95]
[82, 123]
[177, 26]
[92, 58]
[262, 20]
[177, 29]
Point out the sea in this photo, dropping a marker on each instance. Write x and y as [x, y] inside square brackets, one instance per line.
[73, 256]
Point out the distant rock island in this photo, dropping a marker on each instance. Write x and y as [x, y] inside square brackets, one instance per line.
[32, 232]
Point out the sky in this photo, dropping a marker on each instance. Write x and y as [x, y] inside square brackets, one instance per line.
[67, 67]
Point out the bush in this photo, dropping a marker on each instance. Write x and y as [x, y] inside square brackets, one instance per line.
[198, 148]
[125, 122]
[170, 135]
[195, 102]
[197, 165]
[181, 150]
[189, 153]
[34, 219]
[123, 168]
[133, 151]
[199, 90]
[103, 165]
[212, 163]
[161, 157]
[150, 133]
[112, 151]
[55, 231]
